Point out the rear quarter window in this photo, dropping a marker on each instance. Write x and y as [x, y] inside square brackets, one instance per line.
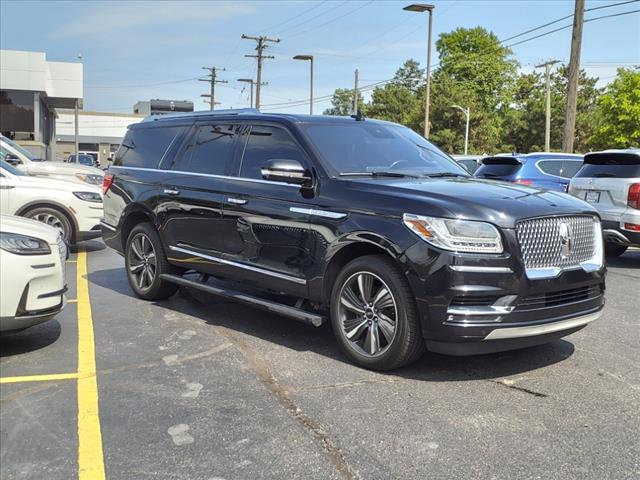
[145, 147]
[498, 169]
[603, 165]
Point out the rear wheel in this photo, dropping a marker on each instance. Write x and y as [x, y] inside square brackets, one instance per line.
[374, 316]
[54, 218]
[614, 250]
[145, 262]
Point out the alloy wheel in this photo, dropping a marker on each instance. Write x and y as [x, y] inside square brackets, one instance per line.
[51, 220]
[368, 314]
[142, 261]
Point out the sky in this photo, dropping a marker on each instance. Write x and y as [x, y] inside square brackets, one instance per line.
[156, 49]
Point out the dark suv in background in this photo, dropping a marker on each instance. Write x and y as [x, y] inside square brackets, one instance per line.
[361, 221]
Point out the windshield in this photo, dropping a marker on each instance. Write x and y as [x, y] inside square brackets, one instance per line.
[367, 148]
[11, 169]
[21, 149]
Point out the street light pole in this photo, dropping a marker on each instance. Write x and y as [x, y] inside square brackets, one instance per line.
[467, 112]
[310, 58]
[250, 82]
[423, 7]
[547, 126]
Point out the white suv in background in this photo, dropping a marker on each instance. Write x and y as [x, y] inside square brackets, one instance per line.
[32, 277]
[610, 181]
[74, 208]
[24, 160]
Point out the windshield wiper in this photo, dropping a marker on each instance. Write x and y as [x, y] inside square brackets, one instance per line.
[445, 174]
[378, 174]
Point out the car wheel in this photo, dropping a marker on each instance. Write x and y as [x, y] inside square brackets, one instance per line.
[374, 316]
[614, 250]
[54, 218]
[145, 261]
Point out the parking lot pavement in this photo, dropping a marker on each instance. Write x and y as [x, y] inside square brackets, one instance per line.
[198, 388]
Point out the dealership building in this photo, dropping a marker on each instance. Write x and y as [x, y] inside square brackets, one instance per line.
[32, 89]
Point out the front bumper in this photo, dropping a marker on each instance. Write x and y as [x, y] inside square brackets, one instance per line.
[472, 304]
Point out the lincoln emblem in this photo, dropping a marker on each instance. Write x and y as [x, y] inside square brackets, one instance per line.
[565, 239]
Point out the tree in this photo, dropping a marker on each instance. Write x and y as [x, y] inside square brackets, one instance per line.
[619, 110]
[342, 102]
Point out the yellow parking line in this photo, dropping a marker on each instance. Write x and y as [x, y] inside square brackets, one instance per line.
[73, 261]
[39, 378]
[90, 454]
[73, 300]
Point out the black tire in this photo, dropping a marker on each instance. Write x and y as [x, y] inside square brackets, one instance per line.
[614, 250]
[406, 344]
[144, 253]
[54, 218]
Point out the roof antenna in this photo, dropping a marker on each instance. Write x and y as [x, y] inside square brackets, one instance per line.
[358, 116]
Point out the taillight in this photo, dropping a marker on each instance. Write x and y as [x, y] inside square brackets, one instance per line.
[633, 198]
[634, 227]
[522, 181]
[107, 180]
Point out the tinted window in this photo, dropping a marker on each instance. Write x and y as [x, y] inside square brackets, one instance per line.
[268, 143]
[611, 165]
[211, 151]
[470, 165]
[551, 167]
[361, 147]
[498, 169]
[145, 147]
[569, 168]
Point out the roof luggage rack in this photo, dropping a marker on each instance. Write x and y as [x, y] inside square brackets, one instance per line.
[202, 113]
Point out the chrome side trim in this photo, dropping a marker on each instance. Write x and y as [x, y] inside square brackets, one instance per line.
[480, 310]
[318, 213]
[532, 330]
[107, 226]
[209, 175]
[263, 271]
[473, 269]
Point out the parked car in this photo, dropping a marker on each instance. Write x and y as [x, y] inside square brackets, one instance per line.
[24, 160]
[32, 276]
[470, 163]
[74, 208]
[358, 220]
[83, 159]
[551, 171]
[610, 181]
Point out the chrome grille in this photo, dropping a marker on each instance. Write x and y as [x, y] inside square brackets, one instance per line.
[542, 245]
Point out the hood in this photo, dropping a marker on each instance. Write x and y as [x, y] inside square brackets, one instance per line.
[58, 184]
[63, 168]
[26, 226]
[500, 203]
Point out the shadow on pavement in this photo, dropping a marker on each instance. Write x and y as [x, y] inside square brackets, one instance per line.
[631, 259]
[89, 245]
[31, 339]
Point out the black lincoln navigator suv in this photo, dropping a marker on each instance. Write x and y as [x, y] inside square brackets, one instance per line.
[360, 221]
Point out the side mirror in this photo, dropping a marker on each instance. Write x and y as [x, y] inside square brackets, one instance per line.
[287, 171]
[12, 159]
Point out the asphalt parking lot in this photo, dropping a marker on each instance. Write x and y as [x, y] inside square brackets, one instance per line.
[198, 388]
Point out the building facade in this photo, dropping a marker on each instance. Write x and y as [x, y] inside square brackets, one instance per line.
[99, 133]
[160, 107]
[31, 90]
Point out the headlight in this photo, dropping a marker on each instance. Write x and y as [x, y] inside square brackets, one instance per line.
[89, 196]
[23, 245]
[455, 235]
[92, 179]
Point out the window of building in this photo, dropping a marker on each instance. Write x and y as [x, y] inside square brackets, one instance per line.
[16, 115]
[268, 143]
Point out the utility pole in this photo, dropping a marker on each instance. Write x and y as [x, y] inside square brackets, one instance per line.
[355, 93]
[574, 72]
[251, 83]
[467, 114]
[547, 128]
[213, 72]
[261, 45]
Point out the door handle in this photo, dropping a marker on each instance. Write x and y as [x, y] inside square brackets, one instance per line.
[171, 191]
[236, 201]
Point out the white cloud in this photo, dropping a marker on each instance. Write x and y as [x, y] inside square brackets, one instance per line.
[107, 17]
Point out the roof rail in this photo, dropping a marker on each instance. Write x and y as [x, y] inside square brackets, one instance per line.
[202, 113]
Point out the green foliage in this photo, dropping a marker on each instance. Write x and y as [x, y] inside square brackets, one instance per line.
[620, 112]
[342, 102]
[507, 109]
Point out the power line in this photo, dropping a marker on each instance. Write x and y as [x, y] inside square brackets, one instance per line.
[304, 22]
[170, 82]
[304, 12]
[305, 31]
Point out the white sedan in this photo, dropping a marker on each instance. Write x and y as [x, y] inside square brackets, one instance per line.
[32, 277]
[27, 162]
[75, 209]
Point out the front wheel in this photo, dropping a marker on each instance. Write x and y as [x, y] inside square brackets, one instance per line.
[54, 218]
[374, 316]
[145, 261]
